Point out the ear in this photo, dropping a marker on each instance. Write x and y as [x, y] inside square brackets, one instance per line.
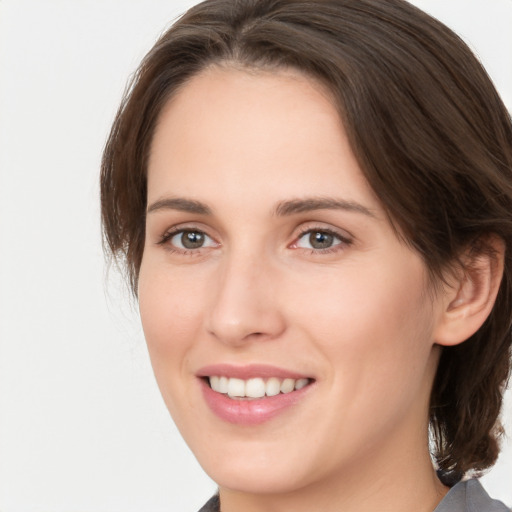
[472, 292]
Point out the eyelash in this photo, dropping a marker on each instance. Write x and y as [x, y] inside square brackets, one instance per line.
[344, 241]
[169, 235]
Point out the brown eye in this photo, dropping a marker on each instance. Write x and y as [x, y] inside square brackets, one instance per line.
[192, 239]
[187, 239]
[321, 240]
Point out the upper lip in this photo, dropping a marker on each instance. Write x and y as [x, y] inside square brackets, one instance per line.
[249, 371]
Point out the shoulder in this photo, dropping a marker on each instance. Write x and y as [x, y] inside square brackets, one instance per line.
[470, 496]
[212, 505]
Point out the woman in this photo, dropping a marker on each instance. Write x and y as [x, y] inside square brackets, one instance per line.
[313, 200]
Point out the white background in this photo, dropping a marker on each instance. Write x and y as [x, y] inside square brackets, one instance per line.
[82, 425]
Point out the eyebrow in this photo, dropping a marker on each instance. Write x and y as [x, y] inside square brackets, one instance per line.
[295, 206]
[283, 208]
[180, 204]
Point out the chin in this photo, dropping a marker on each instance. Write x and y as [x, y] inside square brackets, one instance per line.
[257, 469]
[251, 480]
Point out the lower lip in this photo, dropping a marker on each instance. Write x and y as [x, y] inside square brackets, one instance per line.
[250, 412]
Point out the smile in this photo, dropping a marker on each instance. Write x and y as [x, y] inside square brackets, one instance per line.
[253, 394]
[254, 388]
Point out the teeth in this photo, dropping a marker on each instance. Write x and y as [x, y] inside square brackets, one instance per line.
[301, 383]
[214, 382]
[236, 387]
[273, 387]
[256, 387]
[287, 385]
[223, 384]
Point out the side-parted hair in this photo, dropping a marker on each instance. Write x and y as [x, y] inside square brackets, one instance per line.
[426, 125]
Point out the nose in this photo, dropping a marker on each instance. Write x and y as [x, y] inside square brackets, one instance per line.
[245, 303]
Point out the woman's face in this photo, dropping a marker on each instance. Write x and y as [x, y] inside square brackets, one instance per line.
[269, 264]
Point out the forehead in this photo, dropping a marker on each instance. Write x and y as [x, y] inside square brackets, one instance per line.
[243, 130]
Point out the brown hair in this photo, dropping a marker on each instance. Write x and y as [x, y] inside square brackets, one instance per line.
[430, 133]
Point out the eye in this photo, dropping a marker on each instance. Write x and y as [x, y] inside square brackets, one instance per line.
[320, 240]
[188, 239]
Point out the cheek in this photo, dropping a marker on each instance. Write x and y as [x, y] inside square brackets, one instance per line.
[170, 308]
[368, 302]
[375, 335]
[375, 326]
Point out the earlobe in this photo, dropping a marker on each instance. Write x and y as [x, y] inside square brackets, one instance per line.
[472, 294]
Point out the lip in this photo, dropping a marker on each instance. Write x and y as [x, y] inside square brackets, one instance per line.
[253, 411]
[250, 371]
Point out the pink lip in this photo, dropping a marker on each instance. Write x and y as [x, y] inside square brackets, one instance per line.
[249, 371]
[253, 411]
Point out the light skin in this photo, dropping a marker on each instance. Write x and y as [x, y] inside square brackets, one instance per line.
[257, 167]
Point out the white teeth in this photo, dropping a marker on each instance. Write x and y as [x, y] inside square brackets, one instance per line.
[273, 387]
[301, 383]
[287, 385]
[255, 387]
[236, 387]
[223, 385]
[214, 382]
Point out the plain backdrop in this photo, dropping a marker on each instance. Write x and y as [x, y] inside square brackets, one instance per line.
[82, 425]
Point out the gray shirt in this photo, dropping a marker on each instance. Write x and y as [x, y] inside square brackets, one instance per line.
[467, 496]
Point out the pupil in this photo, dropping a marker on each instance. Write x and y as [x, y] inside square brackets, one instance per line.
[320, 240]
[192, 239]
